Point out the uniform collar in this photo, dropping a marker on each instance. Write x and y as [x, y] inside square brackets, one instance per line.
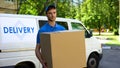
[52, 26]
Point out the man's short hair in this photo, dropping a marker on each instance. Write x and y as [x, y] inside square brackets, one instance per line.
[50, 7]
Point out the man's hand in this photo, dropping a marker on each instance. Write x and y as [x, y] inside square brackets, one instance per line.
[44, 64]
[39, 56]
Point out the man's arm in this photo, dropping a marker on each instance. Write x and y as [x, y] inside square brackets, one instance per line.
[39, 55]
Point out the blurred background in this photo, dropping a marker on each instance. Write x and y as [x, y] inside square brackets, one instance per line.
[100, 16]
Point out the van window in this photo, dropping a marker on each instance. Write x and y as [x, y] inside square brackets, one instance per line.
[64, 24]
[41, 23]
[78, 26]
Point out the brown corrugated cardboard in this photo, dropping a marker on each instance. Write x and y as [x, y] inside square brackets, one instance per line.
[64, 49]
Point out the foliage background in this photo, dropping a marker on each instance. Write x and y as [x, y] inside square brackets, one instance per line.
[95, 14]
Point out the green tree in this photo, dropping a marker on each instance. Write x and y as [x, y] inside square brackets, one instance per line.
[66, 9]
[96, 14]
[34, 7]
[37, 7]
[100, 13]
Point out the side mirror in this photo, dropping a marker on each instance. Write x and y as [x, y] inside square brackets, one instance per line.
[91, 33]
[88, 34]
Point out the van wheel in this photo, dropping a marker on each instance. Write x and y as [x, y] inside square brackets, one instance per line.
[93, 61]
[22, 66]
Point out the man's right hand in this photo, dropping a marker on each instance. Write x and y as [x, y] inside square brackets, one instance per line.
[39, 56]
[44, 64]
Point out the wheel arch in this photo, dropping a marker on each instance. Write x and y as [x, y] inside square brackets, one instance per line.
[96, 53]
[31, 64]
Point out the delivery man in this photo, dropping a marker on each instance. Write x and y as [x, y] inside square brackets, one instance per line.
[50, 26]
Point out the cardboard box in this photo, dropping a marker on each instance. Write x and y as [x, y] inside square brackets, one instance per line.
[65, 49]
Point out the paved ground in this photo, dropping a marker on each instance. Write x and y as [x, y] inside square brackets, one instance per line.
[111, 58]
[111, 55]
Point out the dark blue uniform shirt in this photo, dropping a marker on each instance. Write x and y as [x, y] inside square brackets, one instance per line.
[48, 28]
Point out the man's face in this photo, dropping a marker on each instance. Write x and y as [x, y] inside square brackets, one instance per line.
[51, 14]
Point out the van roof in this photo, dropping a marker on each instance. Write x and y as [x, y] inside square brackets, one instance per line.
[18, 15]
[38, 17]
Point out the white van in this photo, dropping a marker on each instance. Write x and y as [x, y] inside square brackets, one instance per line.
[18, 40]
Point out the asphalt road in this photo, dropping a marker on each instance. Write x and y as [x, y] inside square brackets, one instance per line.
[111, 57]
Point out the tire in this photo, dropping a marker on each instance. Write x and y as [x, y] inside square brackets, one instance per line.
[22, 66]
[93, 61]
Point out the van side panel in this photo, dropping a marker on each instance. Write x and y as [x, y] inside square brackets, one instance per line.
[18, 40]
[17, 33]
